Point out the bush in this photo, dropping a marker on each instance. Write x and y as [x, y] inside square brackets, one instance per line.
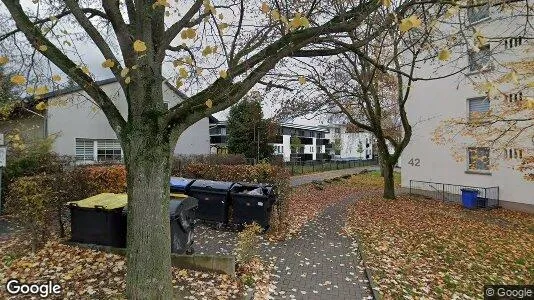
[182, 161]
[30, 201]
[99, 179]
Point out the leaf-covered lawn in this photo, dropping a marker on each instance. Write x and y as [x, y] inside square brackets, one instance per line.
[417, 247]
[89, 274]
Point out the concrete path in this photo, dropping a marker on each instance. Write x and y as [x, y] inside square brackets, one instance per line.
[308, 178]
[320, 263]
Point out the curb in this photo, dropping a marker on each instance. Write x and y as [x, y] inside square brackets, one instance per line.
[368, 272]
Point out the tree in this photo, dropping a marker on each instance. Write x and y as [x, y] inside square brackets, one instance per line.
[217, 61]
[359, 148]
[295, 143]
[7, 88]
[248, 131]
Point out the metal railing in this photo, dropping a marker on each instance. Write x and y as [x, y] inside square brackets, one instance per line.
[312, 166]
[487, 196]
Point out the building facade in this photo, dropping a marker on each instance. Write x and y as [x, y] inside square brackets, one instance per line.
[465, 162]
[349, 143]
[80, 129]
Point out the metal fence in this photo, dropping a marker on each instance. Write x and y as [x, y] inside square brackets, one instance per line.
[487, 196]
[312, 166]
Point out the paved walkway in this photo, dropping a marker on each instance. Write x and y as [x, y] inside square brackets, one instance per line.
[308, 178]
[320, 263]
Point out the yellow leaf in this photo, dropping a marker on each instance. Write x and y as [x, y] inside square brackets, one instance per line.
[183, 34]
[223, 26]
[183, 72]
[479, 39]
[18, 79]
[206, 51]
[179, 83]
[41, 90]
[452, 11]
[85, 69]
[134, 67]
[41, 106]
[160, 3]
[529, 103]
[53, 19]
[444, 54]
[275, 14]
[56, 78]
[125, 72]
[265, 8]
[139, 46]
[3, 60]
[386, 3]
[512, 77]
[223, 73]
[127, 80]
[209, 103]
[408, 23]
[191, 33]
[198, 71]
[177, 63]
[302, 80]
[108, 63]
[221, 16]
[189, 61]
[43, 48]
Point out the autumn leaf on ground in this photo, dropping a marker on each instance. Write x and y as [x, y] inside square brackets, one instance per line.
[3, 60]
[209, 103]
[18, 79]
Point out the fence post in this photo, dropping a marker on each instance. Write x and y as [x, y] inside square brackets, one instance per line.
[302, 167]
[292, 170]
[443, 187]
[313, 166]
[410, 186]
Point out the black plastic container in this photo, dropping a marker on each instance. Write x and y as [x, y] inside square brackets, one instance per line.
[250, 207]
[98, 226]
[182, 213]
[213, 199]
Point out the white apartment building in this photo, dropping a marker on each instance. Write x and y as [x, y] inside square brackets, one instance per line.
[432, 167]
[349, 144]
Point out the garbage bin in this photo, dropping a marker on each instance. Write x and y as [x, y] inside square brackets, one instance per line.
[179, 184]
[213, 199]
[469, 198]
[99, 220]
[182, 221]
[182, 213]
[252, 203]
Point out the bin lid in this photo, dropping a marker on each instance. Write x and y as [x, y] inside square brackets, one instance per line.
[176, 206]
[177, 195]
[213, 185]
[106, 201]
[469, 190]
[180, 183]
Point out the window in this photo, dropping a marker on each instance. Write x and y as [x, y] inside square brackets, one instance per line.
[479, 60]
[478, 158]
[513, 98]
[84, 149]
[513, 42]
[166, 105]
[478, 12]
[513, 153]
[478, 107]
[108, 150]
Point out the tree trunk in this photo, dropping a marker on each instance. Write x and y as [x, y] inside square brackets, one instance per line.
[389, 184]
[147, 158]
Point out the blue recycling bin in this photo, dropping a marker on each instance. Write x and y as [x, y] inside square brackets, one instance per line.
[469, 198]
[179, 184]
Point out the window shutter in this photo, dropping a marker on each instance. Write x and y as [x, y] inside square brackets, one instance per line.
[479, 105]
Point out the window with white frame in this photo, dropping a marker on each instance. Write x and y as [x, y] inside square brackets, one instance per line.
[84, 149]
[478, 10]
[479, 59]
[478, 108]
[478, 158]
[108, 150]
[98, 150]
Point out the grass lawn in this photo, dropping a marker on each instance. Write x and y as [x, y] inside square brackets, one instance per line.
[417, 247]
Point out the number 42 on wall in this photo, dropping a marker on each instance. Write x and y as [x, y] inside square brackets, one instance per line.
[414, 162]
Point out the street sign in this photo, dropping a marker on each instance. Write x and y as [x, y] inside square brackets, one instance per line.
[3, 150]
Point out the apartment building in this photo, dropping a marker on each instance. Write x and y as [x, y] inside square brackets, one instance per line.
[464, 161]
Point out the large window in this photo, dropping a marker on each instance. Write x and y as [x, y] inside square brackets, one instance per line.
[98, 150]
[108, 150]
[478, 108]
[478, 158]
[480, 10]
[84, 149]
[480, 59]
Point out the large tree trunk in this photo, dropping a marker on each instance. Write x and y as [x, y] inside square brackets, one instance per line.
[147, 157]
[389, 184]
